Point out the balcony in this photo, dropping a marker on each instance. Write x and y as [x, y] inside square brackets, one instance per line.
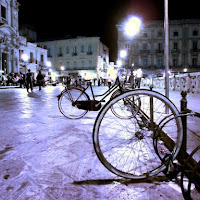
[194, 50]
[194, 66]
[3, 21]
[89, 53]
[159, 51]
[175, 51]
[74, 54]
[32, 60]
[60, 55]
[144, 51]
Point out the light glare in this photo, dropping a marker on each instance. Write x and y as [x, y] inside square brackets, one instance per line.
[123, 53]
[132, 26]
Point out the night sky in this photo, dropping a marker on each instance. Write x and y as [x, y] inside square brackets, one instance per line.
[96, 18]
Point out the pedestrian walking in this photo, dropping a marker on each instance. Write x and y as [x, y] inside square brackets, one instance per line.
[22, 80]
[40, 79]
[138, 77]
[132, 80]
[29, 80]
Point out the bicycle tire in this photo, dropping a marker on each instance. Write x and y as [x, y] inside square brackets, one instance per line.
[188, 174]
[125, 146]
[65, 104]
[125, 105]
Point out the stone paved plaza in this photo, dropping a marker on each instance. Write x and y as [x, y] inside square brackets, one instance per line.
[44, 155]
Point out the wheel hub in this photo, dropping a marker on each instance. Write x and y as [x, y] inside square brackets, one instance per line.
[139, 135]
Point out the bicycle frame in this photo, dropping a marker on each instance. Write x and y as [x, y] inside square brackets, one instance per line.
[104, 95]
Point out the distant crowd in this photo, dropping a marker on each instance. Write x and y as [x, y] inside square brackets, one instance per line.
[23, 80]
[12, 79]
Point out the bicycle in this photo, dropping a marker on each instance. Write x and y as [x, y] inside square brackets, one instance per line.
[74, 102]
[190, 165]
[190, 177]
[125, 145]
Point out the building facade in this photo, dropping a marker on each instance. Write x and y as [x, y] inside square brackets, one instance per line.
[87, 57]
[12, 45]
[146, 49]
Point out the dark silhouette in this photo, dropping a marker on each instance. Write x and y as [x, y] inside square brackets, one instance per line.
[40, 79]
[29, 80]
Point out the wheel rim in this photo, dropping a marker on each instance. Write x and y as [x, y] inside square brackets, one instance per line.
[65, 104]
[125, 146]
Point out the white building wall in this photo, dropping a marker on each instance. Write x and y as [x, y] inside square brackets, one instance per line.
[78, 56]
[12, 45]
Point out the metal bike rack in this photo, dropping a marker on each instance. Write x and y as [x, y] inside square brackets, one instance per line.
[183, 156]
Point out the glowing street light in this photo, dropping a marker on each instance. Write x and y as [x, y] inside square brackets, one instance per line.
[185, 70]
[62, 68]
[24, 57]
[119, 63]
[123, 53]
[48, 63]
[132, 27]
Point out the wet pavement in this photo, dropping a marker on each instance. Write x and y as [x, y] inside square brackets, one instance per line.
[44, 155]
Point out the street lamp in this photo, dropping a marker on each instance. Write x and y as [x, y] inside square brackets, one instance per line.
[62, 68]
[48, 63]
[25, 59]
[119, 63]
[123, 53]
[132, 26]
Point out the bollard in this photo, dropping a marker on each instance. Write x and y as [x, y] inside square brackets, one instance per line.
[183, 149]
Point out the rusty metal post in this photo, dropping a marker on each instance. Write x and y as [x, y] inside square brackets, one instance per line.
[183, 150]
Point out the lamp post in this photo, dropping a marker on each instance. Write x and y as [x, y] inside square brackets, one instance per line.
[131, 28]
[166, 50]
[62, 69]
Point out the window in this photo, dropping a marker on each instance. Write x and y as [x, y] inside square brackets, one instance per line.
[144, 46]
[68, 65]
[175, 33]
[194, 45]
[175, 62]
[194, 61]
[175, 45]
[82, 48]
[42, 58]
[74, 49]
[144, 35]
[89, 48]
[60, 51]
[127, 46]
[82, 64]
[31, 57]
[160, 34]
[3, 12]
[90, 64]
[67, 50]
[49, 53]
[75, 64]
[195, 33]
[144, 62]
[160, 46]
[160, 62]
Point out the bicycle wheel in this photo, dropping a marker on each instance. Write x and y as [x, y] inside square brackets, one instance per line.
[125, 146]
[65, 103]
[190, 178]
[126, 110]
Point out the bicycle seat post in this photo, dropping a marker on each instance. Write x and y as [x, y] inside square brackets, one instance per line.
[90, 84]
